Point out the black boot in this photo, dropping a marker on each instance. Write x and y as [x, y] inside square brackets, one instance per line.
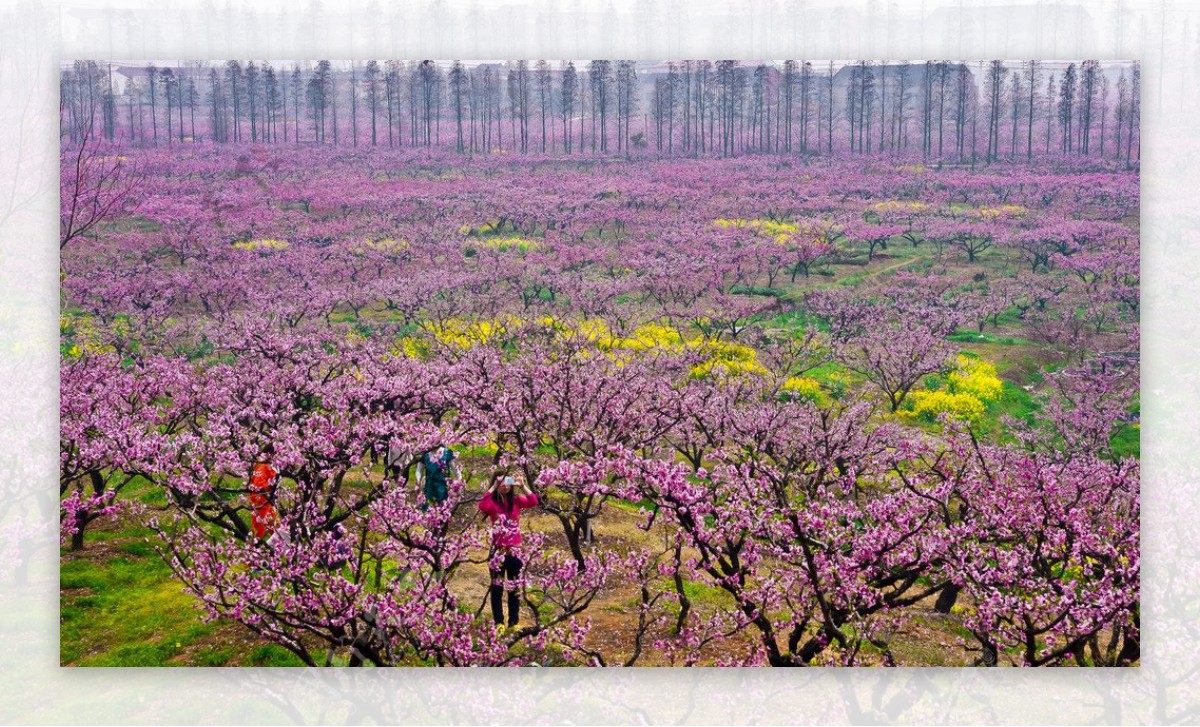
[514, 608]
[497, 604]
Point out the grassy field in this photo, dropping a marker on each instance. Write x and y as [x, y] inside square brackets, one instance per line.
[120, 606]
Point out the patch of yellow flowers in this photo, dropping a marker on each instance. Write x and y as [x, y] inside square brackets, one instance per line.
[80, 330]
[976, 377]
[720, 357]
[972, 385]
[803, 388]
[504, 244]
[261, 245]
[781, 232]
[1001, 210]
[463, 335]
[899, 205]
[726, 358]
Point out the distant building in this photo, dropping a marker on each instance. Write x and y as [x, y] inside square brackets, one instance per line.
[120, 82]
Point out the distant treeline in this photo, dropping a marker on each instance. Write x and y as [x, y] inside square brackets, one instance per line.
[977, 111]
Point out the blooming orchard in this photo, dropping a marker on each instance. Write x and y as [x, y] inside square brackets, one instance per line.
[827, 397]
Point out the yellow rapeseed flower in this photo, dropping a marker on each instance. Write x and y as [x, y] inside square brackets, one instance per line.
[976, 377]
[929, 404]
[802, 387]
[261, 244]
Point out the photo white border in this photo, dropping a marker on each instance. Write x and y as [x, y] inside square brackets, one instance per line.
[35, 35]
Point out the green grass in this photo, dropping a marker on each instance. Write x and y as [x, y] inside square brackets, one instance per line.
[1010, 317]
[467, 450]
[215, 656]
[702, 593]
[922, 266]
[100, 532]
[145, 492]
[1015, 402]
[798, 320]
[154, 498]
[272, 655]
[131, 223]
[125, 611]
[139, 548]
[367, 316]
[854, 279]
[964, 336]
[147, 654]
[757, 290]
[1127, 442]
[629, 506]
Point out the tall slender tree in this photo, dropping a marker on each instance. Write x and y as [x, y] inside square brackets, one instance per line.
[789, 84]
[332, 100]
[371, 73]
[1134, 116]
[566, 100]
[882, 85]
[599, 78]
[1122, 111]
[900, 99]
[1050, 93]
[1104, 90]
[252, 101]
[687, 107]
[272, 102]
[1015, 93]
[626, 101]
[167, 79]
[672, 101]
[518, 101]
[1066, 106]
[152, 90]
[233, 76]
[995, 91]
[217, 120]
[943, 78]
[1032, 76]
[829, 115]
[297, 90]
[1089, 87]
[109, 101]
[963, 106]
[131, 91]
[544, 96]
[354, 103]
[927, 109]
[392, 93]
[458, 93]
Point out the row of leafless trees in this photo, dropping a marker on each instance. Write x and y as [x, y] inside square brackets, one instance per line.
[980, 111]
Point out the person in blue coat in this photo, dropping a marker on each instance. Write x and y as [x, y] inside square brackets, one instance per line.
[434, 474]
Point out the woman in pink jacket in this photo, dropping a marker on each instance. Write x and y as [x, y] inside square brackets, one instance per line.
[504, 508]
